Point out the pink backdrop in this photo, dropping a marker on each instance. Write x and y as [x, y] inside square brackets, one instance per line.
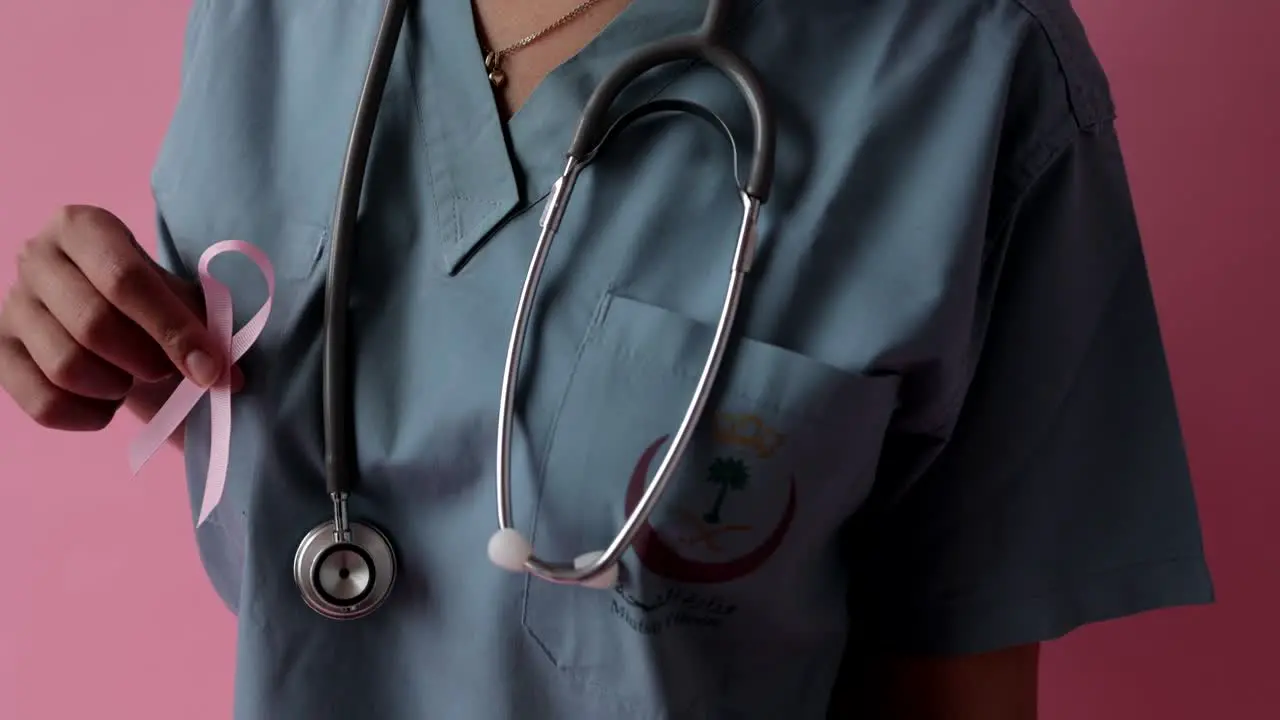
[111, 610]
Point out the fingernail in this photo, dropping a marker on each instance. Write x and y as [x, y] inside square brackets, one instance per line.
[202, 368]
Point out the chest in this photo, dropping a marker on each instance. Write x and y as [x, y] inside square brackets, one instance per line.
[862, 257]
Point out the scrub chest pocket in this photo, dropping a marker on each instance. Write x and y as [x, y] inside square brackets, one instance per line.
[738, 575]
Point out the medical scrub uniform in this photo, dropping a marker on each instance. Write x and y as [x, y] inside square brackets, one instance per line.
[946, 425]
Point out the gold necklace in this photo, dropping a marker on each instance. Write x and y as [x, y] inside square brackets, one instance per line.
[493, 58]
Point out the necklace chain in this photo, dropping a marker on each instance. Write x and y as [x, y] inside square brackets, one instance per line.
[493, 58]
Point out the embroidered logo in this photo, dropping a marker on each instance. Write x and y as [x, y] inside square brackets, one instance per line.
[710, 538]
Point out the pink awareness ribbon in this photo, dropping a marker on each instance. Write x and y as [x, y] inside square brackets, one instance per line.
[219, 317]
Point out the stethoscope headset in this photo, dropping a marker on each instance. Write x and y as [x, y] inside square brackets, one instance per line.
[345, 568]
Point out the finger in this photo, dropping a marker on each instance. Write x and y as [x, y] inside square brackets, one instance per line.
[44, 402]
[188, 291]
[65, 362]
[88, 317]
[108, 258]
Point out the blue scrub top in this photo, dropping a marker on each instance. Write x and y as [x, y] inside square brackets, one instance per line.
[946, 426]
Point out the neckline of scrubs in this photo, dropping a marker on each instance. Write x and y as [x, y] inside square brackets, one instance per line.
[482, 169]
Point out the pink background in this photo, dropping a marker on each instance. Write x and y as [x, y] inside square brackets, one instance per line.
[110, 609]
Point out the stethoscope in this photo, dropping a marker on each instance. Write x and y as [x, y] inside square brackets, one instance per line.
[345, 568]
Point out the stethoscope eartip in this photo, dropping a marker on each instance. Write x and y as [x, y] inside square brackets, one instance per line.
[604, 580]
[509, 550]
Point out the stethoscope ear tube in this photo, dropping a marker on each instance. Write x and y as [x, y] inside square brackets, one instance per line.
[509, 549]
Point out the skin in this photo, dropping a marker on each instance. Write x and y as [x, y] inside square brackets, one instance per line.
[93, 324]
[502, 23]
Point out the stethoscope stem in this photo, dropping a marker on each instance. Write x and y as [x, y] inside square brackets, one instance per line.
[341, 523]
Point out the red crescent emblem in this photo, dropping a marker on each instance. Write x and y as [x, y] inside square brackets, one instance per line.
[662, 559]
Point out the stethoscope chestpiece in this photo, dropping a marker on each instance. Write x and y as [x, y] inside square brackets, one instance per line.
[344, 575]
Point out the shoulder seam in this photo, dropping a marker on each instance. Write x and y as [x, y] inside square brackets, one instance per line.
[1045, 157]
[1088, 91]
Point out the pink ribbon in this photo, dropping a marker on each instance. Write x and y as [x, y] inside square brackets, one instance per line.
[217, 301]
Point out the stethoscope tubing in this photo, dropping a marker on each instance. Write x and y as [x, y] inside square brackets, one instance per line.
[592, 132]
[339, 438]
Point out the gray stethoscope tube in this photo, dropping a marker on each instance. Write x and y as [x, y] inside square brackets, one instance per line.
[345, 568]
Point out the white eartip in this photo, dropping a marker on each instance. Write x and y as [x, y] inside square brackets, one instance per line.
[509, 550]
[604, 580]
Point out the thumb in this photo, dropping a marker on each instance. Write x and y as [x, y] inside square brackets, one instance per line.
[191, 295]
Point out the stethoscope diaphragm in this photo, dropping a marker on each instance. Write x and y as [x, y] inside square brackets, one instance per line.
[344, 575]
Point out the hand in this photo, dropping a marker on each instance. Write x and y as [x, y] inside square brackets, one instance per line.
[92, 319]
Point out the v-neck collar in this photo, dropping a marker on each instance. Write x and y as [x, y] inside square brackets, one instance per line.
[480, 170]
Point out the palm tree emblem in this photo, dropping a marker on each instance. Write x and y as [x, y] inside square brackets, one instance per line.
[728, 474]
